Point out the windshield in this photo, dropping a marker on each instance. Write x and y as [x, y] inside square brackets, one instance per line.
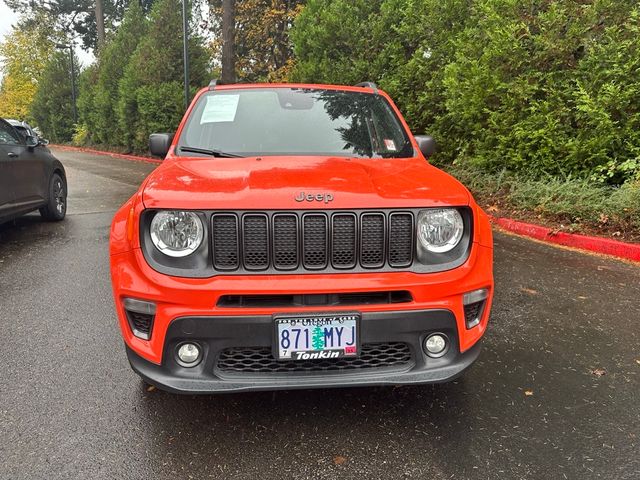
[294, 121]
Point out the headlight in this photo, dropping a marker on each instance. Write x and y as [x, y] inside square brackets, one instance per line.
[176, 233]
[440, 229]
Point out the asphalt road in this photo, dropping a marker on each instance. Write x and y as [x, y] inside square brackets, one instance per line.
[555, 394]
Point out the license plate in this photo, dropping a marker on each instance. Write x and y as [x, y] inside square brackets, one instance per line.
[309, 337]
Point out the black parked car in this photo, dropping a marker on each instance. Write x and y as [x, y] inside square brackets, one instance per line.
[31, 178]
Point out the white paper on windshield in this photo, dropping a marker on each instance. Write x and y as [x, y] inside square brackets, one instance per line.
[220, 108]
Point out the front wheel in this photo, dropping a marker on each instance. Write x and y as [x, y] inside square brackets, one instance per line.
[56, 207]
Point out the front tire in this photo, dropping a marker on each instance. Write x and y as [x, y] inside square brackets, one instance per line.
[56, 207]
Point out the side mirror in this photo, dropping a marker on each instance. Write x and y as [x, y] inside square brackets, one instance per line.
[43, 141]
[427, 145]
[159, 144]
[32, 141]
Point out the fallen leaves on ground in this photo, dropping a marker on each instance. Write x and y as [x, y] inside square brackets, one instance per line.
[598, 372]
[528, 393]
[150, 388]
[339, 460]
[530, 291]
[638, 361]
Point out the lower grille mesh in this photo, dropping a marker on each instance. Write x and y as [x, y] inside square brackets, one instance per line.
[261, 360]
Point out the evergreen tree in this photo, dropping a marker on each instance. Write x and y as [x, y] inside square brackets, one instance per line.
[151, 86]
[112, 62]
[52, 107]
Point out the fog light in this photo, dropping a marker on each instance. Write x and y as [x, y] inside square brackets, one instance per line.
[436, 345]
[189, 354]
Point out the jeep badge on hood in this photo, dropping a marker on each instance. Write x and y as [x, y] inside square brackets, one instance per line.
[314, 197]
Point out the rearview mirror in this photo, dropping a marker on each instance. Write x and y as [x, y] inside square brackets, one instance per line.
[159, 144]
[426, 144]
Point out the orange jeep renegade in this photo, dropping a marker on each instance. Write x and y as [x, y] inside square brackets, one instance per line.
[296, 236]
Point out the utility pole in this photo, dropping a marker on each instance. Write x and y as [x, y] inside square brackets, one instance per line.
[228, 42]
[185, 52]
[99, 10]
[73, 79]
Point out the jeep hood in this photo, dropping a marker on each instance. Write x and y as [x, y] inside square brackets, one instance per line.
[274, 182]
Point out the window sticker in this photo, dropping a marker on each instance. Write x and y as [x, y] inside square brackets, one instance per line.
[390, 145]
[220, 108]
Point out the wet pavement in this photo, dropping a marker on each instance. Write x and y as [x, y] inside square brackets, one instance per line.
[555, 393]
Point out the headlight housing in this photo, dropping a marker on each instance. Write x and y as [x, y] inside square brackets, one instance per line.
[176, 233]
[440, 229]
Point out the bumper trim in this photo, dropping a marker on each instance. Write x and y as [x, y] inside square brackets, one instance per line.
[217, 333]
[154, 375]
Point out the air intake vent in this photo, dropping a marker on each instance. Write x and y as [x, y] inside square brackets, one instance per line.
[472, 313]
[140, 315]
[315, 299]
[260, 360]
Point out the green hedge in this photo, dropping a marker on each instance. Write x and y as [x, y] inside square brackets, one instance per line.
[537, 87]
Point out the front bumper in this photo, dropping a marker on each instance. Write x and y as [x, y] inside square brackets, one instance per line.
[216, 334]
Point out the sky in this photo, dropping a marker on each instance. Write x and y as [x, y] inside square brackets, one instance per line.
[8, 18]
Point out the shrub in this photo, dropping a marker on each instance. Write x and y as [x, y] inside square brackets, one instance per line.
[537, 87]
[160, 109]
[52, 108]
[80, 135]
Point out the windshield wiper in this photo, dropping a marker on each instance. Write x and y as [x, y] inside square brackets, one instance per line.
[212, 152]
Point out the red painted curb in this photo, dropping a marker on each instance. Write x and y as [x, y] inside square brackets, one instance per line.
[123, 156]
[629, 251]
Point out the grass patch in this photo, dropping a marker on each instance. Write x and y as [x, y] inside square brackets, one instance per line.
[573, 204]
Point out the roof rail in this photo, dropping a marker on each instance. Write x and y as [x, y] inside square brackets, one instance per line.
[368, 85]
[214, 83]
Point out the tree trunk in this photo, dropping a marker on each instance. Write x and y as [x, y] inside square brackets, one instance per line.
[100, 23]
[228, 42]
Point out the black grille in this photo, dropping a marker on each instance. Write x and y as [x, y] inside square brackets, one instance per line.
[285, 241]
[372, 240]
[401, 235]
[309, 240]
[225, 242]
[260, 360]
[255, 236]
[343, 253]
[314, 241]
